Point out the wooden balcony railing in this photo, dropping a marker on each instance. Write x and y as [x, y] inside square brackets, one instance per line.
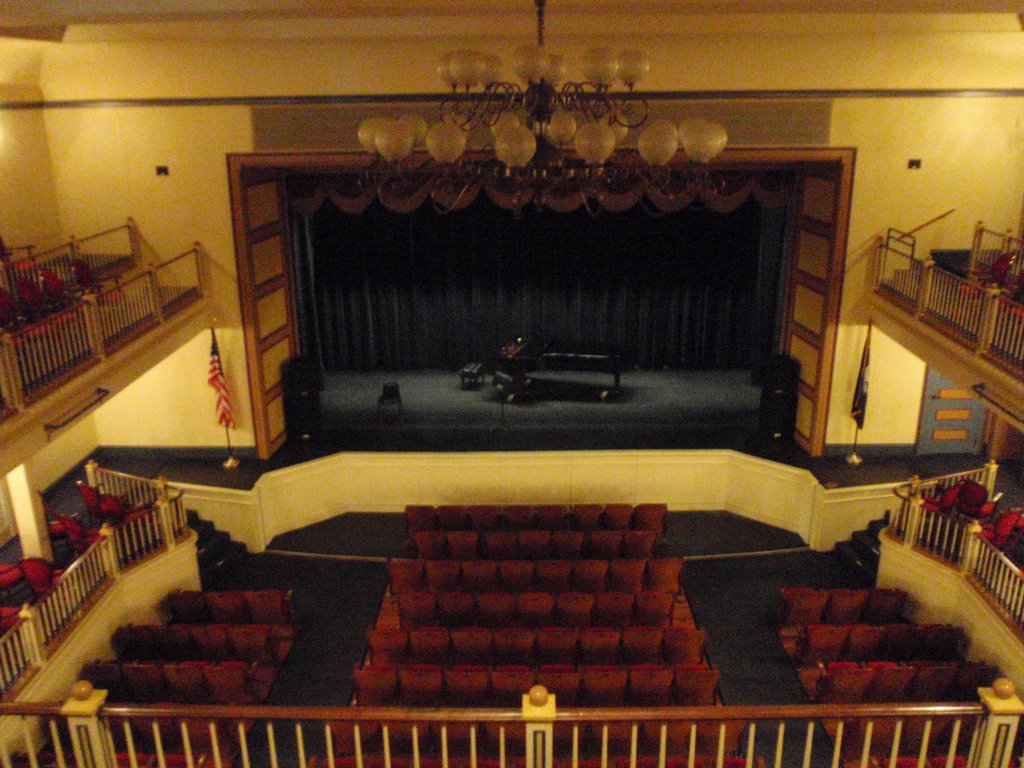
[42, 356]
[954, 540]
[986, 248]
[982, 320]
[158, 527]
[537, 735]
[105, 253]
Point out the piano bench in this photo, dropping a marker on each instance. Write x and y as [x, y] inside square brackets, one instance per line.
[472, 375]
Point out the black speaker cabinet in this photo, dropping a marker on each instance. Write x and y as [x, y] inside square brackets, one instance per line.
[302, 383]
[780, 377]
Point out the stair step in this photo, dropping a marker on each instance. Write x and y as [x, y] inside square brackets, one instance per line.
[204, 530]
[867, 545]
[212, 575]
[215, 548]
[850, 556]
[875, 527]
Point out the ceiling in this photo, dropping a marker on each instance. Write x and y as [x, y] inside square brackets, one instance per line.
[85, 20]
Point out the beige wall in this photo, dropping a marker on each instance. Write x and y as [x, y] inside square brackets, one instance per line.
[172, 405]
[103, 158]
[971, 161]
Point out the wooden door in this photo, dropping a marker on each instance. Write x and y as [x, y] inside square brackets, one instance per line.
[263, 259]
[814, 289]
[951, 417]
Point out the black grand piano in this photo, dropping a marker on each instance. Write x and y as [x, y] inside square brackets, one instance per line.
[516, 369]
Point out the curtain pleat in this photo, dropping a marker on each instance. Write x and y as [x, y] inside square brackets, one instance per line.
[427, 289]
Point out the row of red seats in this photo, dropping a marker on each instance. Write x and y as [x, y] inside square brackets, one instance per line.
[632, 575]
[260, 643]
[103, 507]
[222, 682]
[888, 681]
[549, 645]
[535, 609]
[263, 606]
[38, 295]
[431, 685]
[551, 517]
[801, 606]
[887, 642]
[533, 544]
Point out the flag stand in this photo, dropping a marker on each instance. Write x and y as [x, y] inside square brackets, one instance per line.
[230, 462]
[853, 459]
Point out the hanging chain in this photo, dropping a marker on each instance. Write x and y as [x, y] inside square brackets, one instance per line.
[540, 22]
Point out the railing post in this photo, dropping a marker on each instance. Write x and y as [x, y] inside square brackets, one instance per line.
[971, 543]
[133, 240]
[92, 473]
[539, 716]
[928, 269]
[994, 747]
[163, 506]
[201, 263]
[987, 327]
[93, 326]
[879, 259]
[11, 382]
[30, 634]
[154, 290]
[91, 748]
[913, 518]
[991, 470]
[979, 233]
[109, 536]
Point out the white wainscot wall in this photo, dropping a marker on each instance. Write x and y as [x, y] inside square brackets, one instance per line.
[759, 489]
[939, 593]
[840, 511]
[234, 511]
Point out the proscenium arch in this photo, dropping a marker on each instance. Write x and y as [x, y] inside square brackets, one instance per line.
[814, 281]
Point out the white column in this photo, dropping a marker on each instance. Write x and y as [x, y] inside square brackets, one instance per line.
[994, 748]
[539, 716]
[91, 747]
[29, 515]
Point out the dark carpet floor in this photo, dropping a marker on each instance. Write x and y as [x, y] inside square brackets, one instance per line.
[687, 534]
[733, 597]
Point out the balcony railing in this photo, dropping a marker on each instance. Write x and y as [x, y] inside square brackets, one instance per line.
[156, 527]
[982, 320]
[104, 253]
[537, 736]
[986, 248]
[38, 358]
[955, 540]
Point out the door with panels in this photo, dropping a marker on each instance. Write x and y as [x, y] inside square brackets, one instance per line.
[952, 418]
[263, 258]
[814, 288]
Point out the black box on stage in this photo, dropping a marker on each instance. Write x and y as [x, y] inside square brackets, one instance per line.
[780, 381]
[302, 381]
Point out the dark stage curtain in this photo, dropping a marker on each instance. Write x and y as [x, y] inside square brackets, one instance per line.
[382, 290]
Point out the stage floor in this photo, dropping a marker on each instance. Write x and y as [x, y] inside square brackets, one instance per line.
[653, 409]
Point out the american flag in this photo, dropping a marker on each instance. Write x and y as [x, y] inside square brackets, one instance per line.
[225, 415]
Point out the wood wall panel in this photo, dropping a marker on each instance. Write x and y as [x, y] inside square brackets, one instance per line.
[265, 293]
[267, 260]
[814, 289]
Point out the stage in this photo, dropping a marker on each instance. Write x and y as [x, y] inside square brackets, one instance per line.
[569, 410]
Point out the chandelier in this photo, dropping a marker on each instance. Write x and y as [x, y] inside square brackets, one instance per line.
[556, 142]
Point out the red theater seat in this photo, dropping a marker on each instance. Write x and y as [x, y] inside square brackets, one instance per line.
[484, 517]
[802, 606]
[452, 517]
[884, 606]
[694, 685]
[467, 686]
[638, 544]
[509, 683]
[618, 516]
[683, 645]
[865, 642]
[430, 545]
[653, 609]
[417, 609]
[589, 575]
[429, 645]
[443, 575]
[480, 576]
[535, 609]
[187, 683]
[456, 609]
[612, 609]
[552, 575]
[650, 685]
[406, 576]
[587, 517]
[376, 685]
[563, 680]
[250, 642]
[573, 609]
[420, 517]
[462, 545]
[599, 645]
[557, 645]
[534, 544]
[421, 685]
[519, 517]
[626, 575]
[604, 686]
[496, 609]
[516, 575]
[663, 574]
[514, 645]
[472, 645]
[845, 605]
[567, 545]
[189, 607]
[389, 646]
[650, 517]
[552, 517]
[500, 545]
[641, 645]
[605, 544]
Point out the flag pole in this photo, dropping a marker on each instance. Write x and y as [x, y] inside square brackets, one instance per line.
[230, 462]
[853, 459]
[860, 399]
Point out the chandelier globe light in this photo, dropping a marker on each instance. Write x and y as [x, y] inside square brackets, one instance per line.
[535, 121]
